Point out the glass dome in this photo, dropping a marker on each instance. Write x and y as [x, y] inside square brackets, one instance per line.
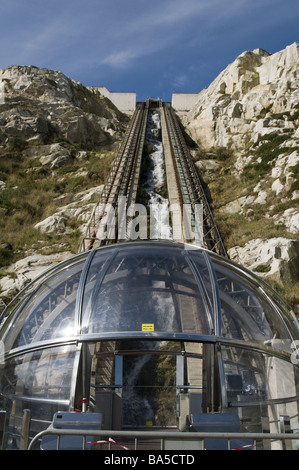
[205, 328]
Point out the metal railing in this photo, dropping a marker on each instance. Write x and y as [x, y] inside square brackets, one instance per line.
[122, 180]
[169, 440]
[157, 439]
[189, 183]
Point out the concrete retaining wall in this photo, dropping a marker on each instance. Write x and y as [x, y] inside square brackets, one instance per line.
[184, 101]
[124, 101]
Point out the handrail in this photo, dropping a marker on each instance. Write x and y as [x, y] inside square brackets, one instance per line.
[163, 436]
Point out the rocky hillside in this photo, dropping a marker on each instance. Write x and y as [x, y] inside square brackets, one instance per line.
[57, 141]
[42, 105]
[245, 125]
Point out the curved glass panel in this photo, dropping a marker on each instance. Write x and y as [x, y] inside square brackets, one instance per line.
[246, 313]
[255, 377]
[119, 293]
[252, 377]
[144, 289]
[48, 311]
[40, 381]
[44, 374]
[93, 281]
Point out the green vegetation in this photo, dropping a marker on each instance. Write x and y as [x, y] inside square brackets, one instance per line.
[237, 229]
[266, 150]
[262, 268]
[295, 174]
[221, 154]
[256, 220]
[33, 192]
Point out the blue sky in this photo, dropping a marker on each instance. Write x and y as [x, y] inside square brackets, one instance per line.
[152, 47]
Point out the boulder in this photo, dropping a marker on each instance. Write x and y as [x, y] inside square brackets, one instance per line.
[289, 218]
[81, 208]
[61, 161]
[277, 258]
[26, 270]
[237, 206]
[207, 166]
[49, 153]
[277, 186]
[54, 223]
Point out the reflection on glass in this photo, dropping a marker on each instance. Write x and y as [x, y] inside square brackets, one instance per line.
[270, 383]
[142, 305]
[255, 376]
[44, 374]
[49, 311]
[245, 312]
[149, 398]
[138, 288]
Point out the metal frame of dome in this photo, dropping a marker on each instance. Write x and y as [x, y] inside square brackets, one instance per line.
[85, 260]
[28, 333]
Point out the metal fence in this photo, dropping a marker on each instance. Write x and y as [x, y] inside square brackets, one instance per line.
[54, 438]
[164, 440]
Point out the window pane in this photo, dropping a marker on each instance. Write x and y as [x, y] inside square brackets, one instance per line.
[39, 381]
[253, 376]
[140, 289]
[259, 385]
[246, 313]
[49, 311]
[43, 374]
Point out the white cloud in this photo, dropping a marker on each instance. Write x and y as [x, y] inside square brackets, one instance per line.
[180, 81]
[120, 58]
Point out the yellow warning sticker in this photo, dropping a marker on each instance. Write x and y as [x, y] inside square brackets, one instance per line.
[148, 327]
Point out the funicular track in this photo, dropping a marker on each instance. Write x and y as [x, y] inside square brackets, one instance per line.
[190, 187]
[123, 180]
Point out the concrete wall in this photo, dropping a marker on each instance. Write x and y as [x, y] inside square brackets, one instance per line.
[124, 101]
[184, 101]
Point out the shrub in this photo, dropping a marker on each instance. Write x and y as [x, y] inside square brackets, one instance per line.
[295, 174]
[16, 144]
[268, 149]
[255, 171]
[6, 254]
[262, 268]
[223, 153]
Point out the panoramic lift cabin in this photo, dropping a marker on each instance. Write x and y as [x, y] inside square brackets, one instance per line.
[142, 337]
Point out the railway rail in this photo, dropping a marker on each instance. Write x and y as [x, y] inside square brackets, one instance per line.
[122, 180]
[106, 225]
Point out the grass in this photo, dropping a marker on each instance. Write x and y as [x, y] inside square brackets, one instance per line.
[295, 174]
[31, 194]
[265, 150]
[257, 220]
[289, 292]
[237, 230]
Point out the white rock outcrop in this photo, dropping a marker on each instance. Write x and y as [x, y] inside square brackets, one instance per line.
[252, 108]
[81, 208]
[26, 270]
[235, 105]
[275, 257]
[42, 104]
